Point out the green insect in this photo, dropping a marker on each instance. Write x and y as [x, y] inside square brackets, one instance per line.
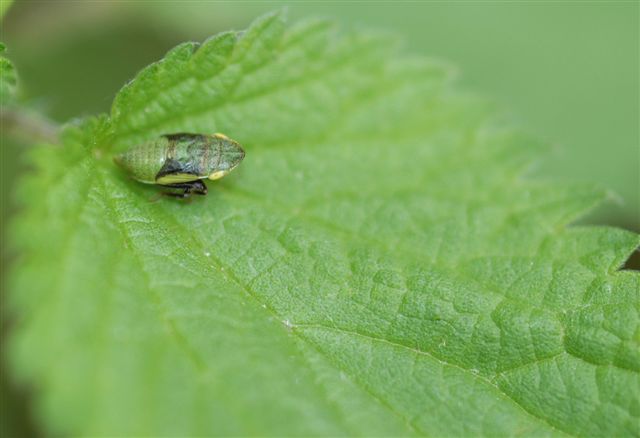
[182, 161]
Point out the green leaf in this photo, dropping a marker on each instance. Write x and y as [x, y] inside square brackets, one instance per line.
[377, 264]
[8, 78]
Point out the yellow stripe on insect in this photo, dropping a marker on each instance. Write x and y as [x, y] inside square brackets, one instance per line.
[174, 178]
[222, 136]
[217, 175]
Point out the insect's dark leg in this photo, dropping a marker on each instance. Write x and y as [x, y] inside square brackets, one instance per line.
[184, 194]
[198, 187]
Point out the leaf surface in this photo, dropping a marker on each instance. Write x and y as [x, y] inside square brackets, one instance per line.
[377, 265]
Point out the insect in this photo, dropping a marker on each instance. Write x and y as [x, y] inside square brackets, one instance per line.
[180, 162]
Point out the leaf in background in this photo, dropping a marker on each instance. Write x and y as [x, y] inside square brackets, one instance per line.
[8, 79]
[377, 265]
[4, 7]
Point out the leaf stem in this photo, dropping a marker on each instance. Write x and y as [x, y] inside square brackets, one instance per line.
[28, 126]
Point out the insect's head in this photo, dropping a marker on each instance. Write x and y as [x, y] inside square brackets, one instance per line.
[231, 155]
[120, 160]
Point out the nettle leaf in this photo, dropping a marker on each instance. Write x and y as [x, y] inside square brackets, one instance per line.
[377, 264]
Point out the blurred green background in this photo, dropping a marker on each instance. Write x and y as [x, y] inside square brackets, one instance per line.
[567, 71]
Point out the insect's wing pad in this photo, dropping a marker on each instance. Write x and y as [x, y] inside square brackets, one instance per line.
[173, 172]
[182, 136]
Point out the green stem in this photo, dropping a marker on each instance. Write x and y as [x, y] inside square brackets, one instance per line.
[28, 126]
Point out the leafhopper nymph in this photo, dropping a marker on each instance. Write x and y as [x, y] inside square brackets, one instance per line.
[182, 161]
